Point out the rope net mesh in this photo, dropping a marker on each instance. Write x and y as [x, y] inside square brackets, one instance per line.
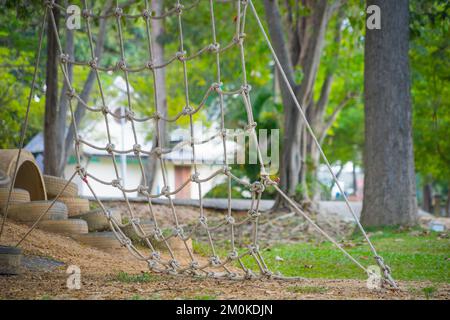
[230, 265]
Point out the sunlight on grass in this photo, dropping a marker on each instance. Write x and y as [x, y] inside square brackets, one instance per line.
[412, 255]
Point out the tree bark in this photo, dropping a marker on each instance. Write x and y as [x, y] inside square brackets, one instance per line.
[427, 197]
[51, 163]
[303, 48]
[64, 104]
[389, 185]
[159, 138]
[87, 88]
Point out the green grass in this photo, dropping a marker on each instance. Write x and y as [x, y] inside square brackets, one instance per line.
[411, 254]
[136, 278]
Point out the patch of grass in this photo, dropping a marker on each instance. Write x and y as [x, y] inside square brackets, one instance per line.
[46, 297]
[136, 278]
[412, 254]
[137, 297]
[307, 289]
[429, 292]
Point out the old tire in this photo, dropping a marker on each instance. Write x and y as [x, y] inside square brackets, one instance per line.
[17, 196]
[29, 176]
[97, 221]
[31, 211]
[4, 180]
[105, 241]
[10, 260]
[67, 227]
[75, 206]
[54, 185]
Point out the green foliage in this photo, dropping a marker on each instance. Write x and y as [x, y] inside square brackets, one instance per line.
[430, 60]
[412, 255]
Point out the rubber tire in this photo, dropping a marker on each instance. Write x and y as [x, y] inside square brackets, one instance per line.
[10, 260]
[67, 227]
[5, 181]
[75, 206]
[97, 220]
[17, 196]
[105, 241]
[54, 185]
[30, 211]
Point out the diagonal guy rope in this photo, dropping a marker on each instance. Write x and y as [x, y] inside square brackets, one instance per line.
[154, 259]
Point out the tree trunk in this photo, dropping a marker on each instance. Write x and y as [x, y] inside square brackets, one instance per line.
[447, 204]
[51, 163]
[159, 138]
[64, 104]
[305, 40]
[427, 197]
[87, 88]
[389, 187]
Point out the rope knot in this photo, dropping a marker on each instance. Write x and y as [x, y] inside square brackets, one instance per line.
[110, 148]
[257, 187]
[157, 234]
[178, 232]
[165, 191]
[157, 115]
[253, 248]
[157, 151]
[150, 65]
[249, 127]
[64, 57]
[179, 8]
[249, 275]
[203, 221]
[195, 177]
[136, 221]
[216, 86]
[86, 13]
[71, 93]
[226, 170]
[93, 63]
[136, 149]
[233, 255]
[181, 55]
[147, 13]
[105, 110]
[214, 47]
[174, 264]
[246, 88]
[194, 265]
[229, 220]
[129, 115]
[187, 110]
[122, 65]
[142, 189]
[215, 261]
[118, 12]
[81, 171]
[254, 214]
[156, 255]
[108, 214]
[115, 183]
[50, 4]
[232, 275]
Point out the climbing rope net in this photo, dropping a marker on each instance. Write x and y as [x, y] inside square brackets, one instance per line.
[232, 265]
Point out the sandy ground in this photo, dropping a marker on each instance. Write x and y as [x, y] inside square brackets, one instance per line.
[99, 278]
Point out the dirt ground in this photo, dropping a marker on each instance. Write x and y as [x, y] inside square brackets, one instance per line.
[99, 279]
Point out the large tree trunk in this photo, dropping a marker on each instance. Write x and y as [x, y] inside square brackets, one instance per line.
[389, 185]
[159, 138]
[86, 91]
[51, 164]
[64, 104]
[303, 48]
